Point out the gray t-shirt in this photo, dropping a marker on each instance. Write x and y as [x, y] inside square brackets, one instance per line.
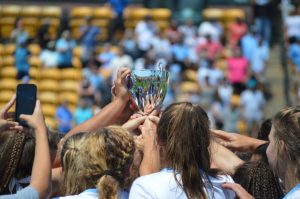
[27, 193]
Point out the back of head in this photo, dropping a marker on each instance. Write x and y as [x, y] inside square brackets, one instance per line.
[265, 130]
[286, 124]
[258, 180]
[184, 132]
[69, 158]
[102, 162]
[11, 144]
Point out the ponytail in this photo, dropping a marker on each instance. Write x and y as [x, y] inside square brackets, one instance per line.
[108, 187]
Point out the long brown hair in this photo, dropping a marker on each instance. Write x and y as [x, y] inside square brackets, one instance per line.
[11, 148]
[287, 128]
[184, 130]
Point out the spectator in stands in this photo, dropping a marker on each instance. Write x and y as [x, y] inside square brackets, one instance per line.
[173, 33]
[253, 103]
[225, 91]
[64, 47]
[43, 34]
[249, 42]
[188, 29]
[180, 53]
[209, 49]
[63, 117]
[88, 40]
[86, 89]
[117, 23]
[21, 60]
[145, 31]
[211, 27]
[49, 56]
[259, 60]
[19, 34]
[129, 44]
[237, 71]
[120, 60]
[292, 25]
[236, 31]
[232, 115]
[262, 18]
[105, 57]
[161, 46]
[83, 111]
[214, 74]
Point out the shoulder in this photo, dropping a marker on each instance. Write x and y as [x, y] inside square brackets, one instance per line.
[28, 193]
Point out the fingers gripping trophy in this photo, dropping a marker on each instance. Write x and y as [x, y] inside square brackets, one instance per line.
[148, 87]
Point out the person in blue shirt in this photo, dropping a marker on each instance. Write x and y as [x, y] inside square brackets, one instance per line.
[64, 47]
[180, 53]
[64, 117]
[249, 43]
[88, 39]
[83, 112]
[294, 54]
[21, 60]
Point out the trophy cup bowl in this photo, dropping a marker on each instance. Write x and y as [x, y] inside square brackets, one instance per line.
[148, 89]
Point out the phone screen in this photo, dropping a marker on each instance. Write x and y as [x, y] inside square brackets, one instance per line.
[25, 101]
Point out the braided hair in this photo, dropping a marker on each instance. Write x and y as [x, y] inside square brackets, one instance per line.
[104, 160]
[11, 148]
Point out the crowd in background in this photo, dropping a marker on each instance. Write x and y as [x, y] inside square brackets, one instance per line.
[229, 62]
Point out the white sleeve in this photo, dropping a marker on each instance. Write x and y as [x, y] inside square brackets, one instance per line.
[138, 190]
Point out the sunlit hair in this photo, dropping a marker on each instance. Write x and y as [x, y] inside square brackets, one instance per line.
[184, 130]
[69, 158]
[259, 180]
[103, 162]
[286, 124]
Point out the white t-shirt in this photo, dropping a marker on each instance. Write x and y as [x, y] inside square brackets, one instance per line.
[292, 24]
[91, 194]
[214, 75]
[253, 103]
[162, 185]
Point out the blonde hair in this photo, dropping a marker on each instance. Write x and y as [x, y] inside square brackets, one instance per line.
[103, 162]
[69, 161]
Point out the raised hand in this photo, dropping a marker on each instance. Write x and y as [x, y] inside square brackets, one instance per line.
[36, 120]
[4, 111]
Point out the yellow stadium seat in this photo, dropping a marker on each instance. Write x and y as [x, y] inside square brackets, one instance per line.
[34, 49]
[215, 13]
[54, 22]
[8, 84]
[50, 122]
[6, 96]
[9, 49]
[8, 21]
[191, 75]
[34, 73]
[48, 85]
[102, 23]
[76, 62]
[35, 61]
[31, 11]
[189, 87]
[71, 74]
[71, 97]
[163, 24]
[11, 10]
[68, 85]
[161, 13]
[8, 72]
[103, 13]
[81, 12]
[49, 110]
[8, 60]
[77, 23]
[136, 13]
[77, 51]
[51, 11]
[230, 14]
[52, 73]
[49, 98]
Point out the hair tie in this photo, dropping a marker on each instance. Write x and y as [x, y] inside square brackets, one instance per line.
[108, 173]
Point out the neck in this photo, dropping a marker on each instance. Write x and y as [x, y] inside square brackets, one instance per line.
[290, 179]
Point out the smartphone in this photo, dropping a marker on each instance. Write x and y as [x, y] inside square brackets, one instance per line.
[25, 101]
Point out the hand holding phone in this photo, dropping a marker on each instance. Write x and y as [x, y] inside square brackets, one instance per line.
[25, 101]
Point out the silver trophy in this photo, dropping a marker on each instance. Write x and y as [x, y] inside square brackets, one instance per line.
[149, 87]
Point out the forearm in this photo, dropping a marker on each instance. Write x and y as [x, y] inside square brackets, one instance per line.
[41, 170]
[254, 143]
[108, 115]
[151, 160]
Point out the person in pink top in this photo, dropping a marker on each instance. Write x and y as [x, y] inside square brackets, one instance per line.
[237, 70]
[236, 31]
[210, 49]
